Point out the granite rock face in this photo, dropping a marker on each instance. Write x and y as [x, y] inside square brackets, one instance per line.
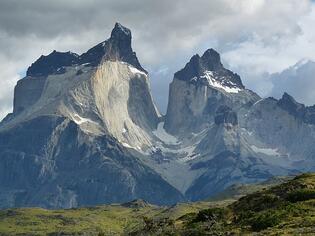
[27, 92]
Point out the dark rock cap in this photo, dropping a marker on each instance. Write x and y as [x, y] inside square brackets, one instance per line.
[116, 48]
[121, 33]
[209, 61]
[298, 110]
[288, 103]
[50, 64]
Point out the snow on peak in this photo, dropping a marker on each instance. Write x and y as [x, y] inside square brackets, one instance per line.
[213, 82]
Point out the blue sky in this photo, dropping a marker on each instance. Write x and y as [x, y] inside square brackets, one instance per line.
[255, 37]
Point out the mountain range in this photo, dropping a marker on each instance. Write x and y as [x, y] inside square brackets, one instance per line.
[85, 130]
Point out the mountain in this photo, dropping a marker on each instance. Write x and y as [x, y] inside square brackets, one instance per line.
[85, 131]
[233, 135]
[67, 141]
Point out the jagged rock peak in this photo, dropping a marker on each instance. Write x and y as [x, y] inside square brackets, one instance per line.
[120, 32]
[288, 103]
[46, 65]
[211, 58]
[208, 69]
[288, 98]
[117, 47]
[298, 110]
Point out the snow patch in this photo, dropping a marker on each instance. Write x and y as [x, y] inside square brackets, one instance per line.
[136, 71]
[190, 153]
[217, 84]
[165, 137]
[258, 101]
[80, 120]
[128, 146]
[85, 64]
[266, 151]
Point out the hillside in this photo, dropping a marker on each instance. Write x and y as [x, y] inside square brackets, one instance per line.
[287, 208]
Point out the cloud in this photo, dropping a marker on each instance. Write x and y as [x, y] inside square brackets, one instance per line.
[255, 59]
[297, 80]
[166, 34]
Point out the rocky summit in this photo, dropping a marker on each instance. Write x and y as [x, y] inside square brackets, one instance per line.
[84, 131]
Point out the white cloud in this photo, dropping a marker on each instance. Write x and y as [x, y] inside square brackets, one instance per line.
[297, 80]
[255, 58]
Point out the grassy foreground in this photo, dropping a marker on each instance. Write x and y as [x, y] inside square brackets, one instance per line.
[284, 209]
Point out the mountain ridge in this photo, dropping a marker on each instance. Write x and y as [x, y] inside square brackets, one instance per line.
[87, 131]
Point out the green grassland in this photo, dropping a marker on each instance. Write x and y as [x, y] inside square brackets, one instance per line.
[287, 208]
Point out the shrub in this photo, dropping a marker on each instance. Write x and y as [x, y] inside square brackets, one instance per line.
[266, 219]
[210, 214]
[301, 195]
[257, 202]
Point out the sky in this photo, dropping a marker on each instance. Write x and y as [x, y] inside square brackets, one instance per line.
[256, 38]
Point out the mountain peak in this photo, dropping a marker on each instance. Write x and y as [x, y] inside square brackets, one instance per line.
[116, 48]
[288, 103]
[120, 30]
[121, 38]
[288, 100]
[212, 59]
[206, 66]
[288, 97]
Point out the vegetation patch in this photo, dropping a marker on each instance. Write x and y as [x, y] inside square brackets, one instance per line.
[301, 195]
[285, 209]
[266, 219]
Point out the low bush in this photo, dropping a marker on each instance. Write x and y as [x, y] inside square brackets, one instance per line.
[301, 195]
[266, 219]
[210, 214]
